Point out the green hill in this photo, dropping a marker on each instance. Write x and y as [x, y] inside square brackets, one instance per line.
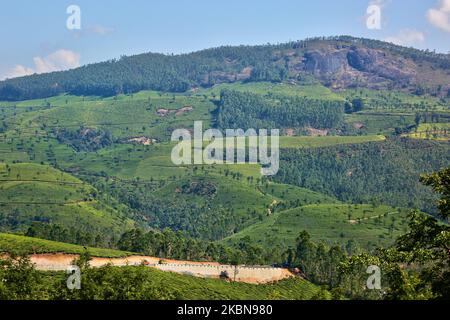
[365, 225]
[356, 62]
[210, 202]
[39, 193]
[29, 245]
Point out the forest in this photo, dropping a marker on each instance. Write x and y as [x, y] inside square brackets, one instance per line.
[227, 64]
[247, 110]
[367, 173]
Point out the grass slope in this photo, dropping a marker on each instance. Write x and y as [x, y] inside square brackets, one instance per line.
[185, 287]
[32, 192]
[327, 141]
[311, 90]
[332, 223]
[29, 245]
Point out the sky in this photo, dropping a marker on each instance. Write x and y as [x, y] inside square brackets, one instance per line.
[37, 38]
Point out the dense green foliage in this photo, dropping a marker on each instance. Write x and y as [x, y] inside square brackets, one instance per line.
[71, 234]
[417, 267]
[247, 110]
[374, 172]
[85, 139]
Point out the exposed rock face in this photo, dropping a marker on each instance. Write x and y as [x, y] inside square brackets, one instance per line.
[347, 67]
[325, 63]
[340, 65]
[336, 66]
[380, 64]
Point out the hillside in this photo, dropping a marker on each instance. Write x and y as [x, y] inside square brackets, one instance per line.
[39, 193]
[113, 283]
[168, 285]
[337, 62]
[29, 245]
[176, 286]
[92, 138]
[362, 226]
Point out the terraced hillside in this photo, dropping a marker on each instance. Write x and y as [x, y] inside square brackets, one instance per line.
[33, 192]
[117, 144]
[29, 245]
[343, 224]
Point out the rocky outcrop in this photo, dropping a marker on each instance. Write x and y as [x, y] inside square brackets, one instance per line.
[354, 66]
[335, 66]
[381, 64]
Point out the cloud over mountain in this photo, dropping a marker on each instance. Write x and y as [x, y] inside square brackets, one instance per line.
[59, 60]
[407, 37]
[440, 17]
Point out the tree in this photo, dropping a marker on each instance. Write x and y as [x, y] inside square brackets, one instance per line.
[428, 241]
[358, 104]
[18, 278]
[417, 120]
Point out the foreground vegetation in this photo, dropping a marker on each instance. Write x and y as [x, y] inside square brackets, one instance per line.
[21, 281]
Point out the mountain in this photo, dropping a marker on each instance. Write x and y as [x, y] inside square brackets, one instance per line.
[337, 62]
[85, 159]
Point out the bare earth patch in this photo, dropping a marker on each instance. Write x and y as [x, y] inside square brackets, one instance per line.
[162, 112]
[146, 141]
[247, 274]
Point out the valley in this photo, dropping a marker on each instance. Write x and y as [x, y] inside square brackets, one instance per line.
[86, 168]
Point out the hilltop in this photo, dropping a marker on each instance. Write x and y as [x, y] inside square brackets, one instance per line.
[337, 62]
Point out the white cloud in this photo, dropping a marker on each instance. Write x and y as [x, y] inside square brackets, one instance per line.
[56, 61]
[440, 17]
[407, 37]
[59, 60]
[19, 71]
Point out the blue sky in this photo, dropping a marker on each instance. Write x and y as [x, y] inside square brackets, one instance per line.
[35, 37]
